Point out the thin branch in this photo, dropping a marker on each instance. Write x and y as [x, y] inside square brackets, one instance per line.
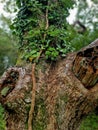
[46, 20]
[82, 27]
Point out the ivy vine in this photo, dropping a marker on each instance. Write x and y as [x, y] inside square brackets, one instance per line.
[41, 25]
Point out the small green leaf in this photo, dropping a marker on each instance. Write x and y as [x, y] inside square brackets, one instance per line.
[5, 91]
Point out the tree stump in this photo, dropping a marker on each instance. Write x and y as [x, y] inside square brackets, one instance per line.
[66, 92]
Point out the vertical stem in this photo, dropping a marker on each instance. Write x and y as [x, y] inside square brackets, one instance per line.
[34, 79]
[33, 98]
[47, 20]
[33, 94]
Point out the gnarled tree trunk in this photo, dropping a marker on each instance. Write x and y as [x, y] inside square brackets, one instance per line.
[66, 92]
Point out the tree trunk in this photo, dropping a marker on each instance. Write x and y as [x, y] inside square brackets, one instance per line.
[66, 92]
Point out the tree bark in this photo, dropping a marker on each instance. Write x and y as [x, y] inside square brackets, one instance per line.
[66, 92]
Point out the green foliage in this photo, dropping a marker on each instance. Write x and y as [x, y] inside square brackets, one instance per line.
[5, 91]
[88, 13]
[42, 26]
[90, 123]
[78, 40]
[8, 50]
[2, 121]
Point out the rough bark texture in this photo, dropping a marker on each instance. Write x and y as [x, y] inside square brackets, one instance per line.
[66, 92]
[85, 65]
[15, 96]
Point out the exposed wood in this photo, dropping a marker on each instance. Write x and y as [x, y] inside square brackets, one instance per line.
[85, 65]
